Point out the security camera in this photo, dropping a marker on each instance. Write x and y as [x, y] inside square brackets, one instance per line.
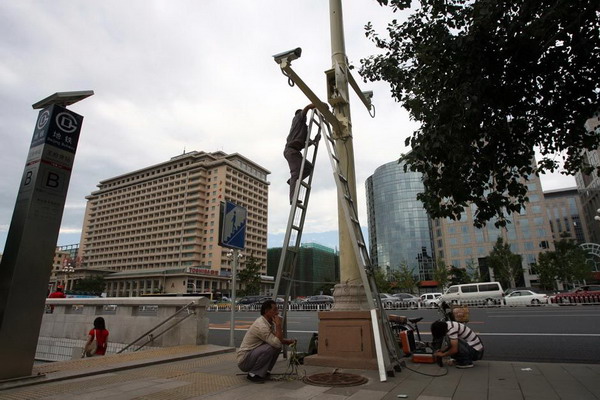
[288, 56]
[368, 94]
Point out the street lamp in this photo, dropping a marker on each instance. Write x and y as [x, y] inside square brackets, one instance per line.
[597, 217]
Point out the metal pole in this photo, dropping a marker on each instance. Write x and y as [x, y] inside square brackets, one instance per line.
[233, 284]
[348, 264]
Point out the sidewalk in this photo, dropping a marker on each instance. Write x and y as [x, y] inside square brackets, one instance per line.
[210, 372]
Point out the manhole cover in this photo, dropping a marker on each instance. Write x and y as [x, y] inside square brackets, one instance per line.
[335, 379]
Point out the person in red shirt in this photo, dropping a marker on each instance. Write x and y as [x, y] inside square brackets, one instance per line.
[58, 294]
[100, 333]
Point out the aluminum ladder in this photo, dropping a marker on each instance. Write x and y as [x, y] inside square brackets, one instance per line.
[388, 358]
[293, 233]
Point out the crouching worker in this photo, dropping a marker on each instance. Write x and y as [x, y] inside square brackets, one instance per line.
[465, 346]
[262, 344]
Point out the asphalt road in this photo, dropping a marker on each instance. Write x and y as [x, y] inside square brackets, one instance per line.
[545, 334]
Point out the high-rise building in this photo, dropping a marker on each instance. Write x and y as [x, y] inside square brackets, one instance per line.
[401, 232]
[460, 244]
[317, 267]
[166, 217]
[399, 227]
[565, 213]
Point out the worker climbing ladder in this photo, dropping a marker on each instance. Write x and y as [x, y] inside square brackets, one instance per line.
[388, 358]
[295, 225]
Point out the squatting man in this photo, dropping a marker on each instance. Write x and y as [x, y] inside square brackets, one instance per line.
[465, 345]
[262, 344]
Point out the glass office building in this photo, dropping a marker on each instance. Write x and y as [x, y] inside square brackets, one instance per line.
[399, 228]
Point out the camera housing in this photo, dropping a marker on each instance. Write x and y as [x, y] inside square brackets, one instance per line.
[288, 56]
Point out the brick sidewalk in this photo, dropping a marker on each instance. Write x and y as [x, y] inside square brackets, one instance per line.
[209, 372]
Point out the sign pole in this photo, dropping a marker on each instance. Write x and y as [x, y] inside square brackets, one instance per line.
[233, 285]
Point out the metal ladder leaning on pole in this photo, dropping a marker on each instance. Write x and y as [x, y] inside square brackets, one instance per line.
[295, 225]
[390, 359]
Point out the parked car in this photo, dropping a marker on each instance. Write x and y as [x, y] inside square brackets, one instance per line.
[583, 294]
[430, 299]
[525, 298]
[406, 300]
[252, 299]
[320, 299]
[387, 300]
[474, 293]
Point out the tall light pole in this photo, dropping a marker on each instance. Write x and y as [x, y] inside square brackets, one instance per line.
[341, 109]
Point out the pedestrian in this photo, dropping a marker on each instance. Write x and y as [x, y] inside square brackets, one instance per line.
[100, 334]
[465, 345]
[262, 344]
[295, 142]
[57, 294]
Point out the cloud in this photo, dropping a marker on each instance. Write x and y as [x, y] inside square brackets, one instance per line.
[193, 75]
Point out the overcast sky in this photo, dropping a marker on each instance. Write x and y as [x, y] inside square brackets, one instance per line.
[194, 75]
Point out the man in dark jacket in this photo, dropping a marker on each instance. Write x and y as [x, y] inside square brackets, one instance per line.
[295, 142]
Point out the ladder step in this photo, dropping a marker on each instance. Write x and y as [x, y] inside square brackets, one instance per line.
[305, 184]
[348, 198]
[342, 178]
[335, 158]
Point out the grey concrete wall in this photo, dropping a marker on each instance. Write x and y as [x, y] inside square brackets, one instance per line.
[126, 320]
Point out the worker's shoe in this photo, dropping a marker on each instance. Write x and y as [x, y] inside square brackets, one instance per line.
[255, 378]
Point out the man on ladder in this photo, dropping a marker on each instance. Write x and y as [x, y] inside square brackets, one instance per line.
[294, 144]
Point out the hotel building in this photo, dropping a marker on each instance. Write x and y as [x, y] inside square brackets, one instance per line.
[163, 221]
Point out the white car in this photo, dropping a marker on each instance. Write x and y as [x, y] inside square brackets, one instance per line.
[430, 299]
[525, 298]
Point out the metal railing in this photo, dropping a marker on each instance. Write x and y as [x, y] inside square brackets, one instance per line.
[152, 337]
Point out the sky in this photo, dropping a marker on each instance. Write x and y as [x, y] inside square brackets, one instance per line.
[172, 76]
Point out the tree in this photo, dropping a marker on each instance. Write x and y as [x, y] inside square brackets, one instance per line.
[459, 276]
[507, 266]
[382, 280]
[94, 285]
[441, 274]
[473, 271]
[547, 270]
[405, 279]
[249, 277]
[491, 80]
[567, 263]
[326, 288]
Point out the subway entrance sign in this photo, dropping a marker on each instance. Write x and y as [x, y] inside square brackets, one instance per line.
[33, 233]
[232, 226]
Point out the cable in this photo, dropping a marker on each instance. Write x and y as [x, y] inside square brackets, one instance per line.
[403, 364]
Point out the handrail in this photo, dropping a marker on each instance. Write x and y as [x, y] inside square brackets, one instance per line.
[156, 327]
[166, 330]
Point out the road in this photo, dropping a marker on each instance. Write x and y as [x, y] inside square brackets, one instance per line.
[546, 334]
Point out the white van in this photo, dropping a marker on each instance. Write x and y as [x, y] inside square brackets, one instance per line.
[488, 293]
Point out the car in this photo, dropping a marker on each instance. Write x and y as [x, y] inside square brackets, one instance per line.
[252, 299]
[320, 299]
[406, 300]
[583, 294]
[387, 300]
[430, 299]
[525, 298]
